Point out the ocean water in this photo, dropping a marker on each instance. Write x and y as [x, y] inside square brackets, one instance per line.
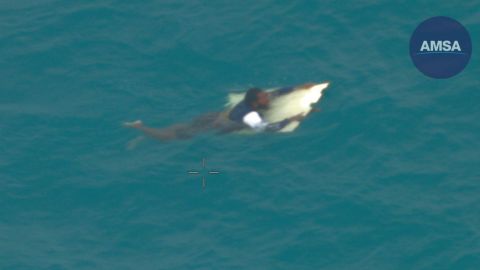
[385, 176]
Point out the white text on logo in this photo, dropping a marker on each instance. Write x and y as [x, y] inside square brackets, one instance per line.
[440, 46]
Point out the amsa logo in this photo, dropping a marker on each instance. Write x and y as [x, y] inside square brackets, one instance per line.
[440, 46]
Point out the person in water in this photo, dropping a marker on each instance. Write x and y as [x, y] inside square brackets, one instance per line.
[246, 114]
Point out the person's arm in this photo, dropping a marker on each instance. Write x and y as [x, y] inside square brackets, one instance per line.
[283, 90]
[254, 121]
[289, 89]
[272, 127]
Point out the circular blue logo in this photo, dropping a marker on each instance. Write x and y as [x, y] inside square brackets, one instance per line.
[440, 47]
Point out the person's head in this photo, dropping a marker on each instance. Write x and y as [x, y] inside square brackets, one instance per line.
[257, 98]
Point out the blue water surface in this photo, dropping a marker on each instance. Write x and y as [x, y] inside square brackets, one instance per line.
[384, 177]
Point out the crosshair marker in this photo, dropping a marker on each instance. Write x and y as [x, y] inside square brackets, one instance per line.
[204, 180]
